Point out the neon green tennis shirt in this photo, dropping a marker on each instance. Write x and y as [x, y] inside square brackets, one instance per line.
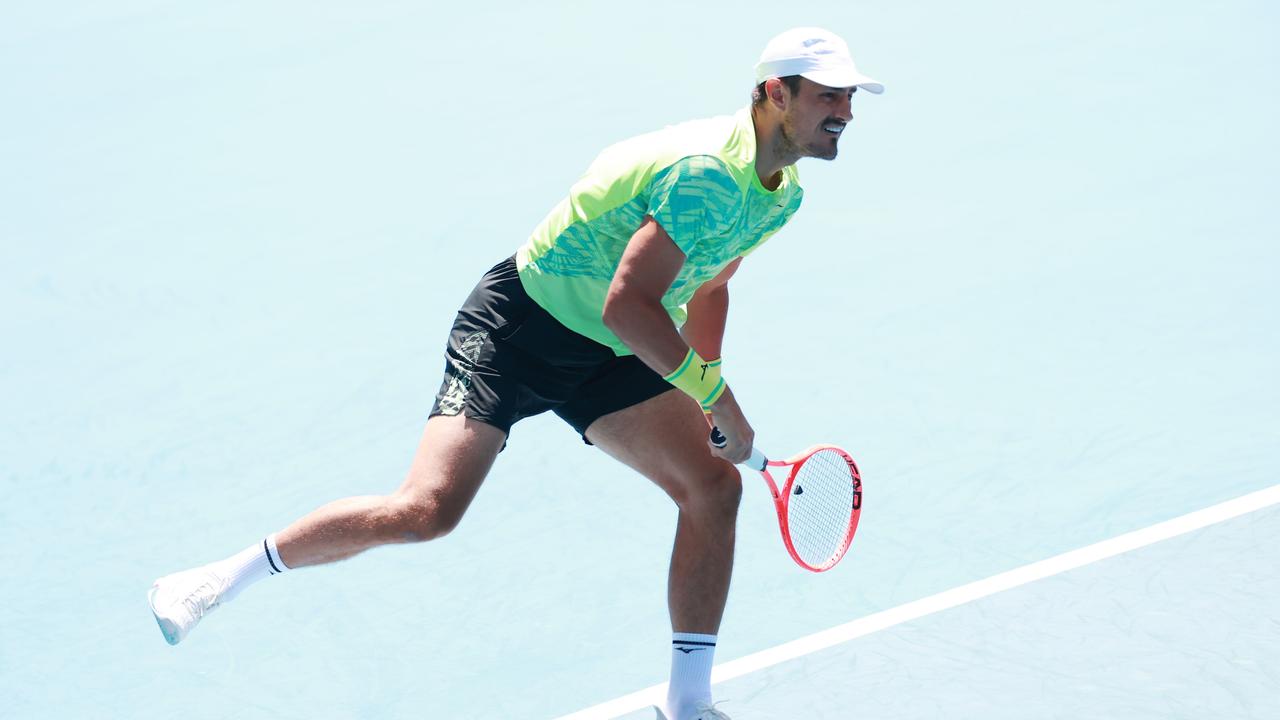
[696, 179]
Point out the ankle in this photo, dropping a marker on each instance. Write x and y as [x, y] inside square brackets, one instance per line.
[692, 655]
[258, 561]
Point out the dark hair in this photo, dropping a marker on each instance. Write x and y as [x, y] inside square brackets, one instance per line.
[791, 81]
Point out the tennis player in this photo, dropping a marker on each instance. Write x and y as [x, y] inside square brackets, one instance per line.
[618, 298]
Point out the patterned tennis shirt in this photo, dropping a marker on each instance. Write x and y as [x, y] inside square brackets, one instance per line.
[696, 179]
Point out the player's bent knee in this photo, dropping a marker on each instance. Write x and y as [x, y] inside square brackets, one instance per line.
[719, 491]
[414, 521]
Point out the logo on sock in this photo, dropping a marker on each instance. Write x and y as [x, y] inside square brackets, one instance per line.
[686, 651]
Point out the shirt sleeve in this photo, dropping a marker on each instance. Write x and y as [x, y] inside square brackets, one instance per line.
[694, 200]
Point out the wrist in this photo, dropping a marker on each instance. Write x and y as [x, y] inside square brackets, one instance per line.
[699, 379]
[706, 410]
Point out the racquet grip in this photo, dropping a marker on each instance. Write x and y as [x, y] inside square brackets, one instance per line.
[757, 461]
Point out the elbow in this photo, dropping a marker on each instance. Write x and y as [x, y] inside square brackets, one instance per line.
[625, 311]
[614, 314]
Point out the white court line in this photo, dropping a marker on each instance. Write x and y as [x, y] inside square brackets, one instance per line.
[949, 599]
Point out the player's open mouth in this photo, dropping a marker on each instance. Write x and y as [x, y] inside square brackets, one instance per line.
[833, 128]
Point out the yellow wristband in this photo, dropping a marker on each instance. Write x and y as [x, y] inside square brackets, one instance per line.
[699, 379]
[707, 409]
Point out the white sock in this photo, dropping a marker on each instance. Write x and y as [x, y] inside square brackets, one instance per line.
[249, 566]
[691, 658]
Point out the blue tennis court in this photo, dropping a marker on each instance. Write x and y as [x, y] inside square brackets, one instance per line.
[1035, 296]
[1183, 629]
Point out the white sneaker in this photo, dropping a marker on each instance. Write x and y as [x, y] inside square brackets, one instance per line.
[180, 600]
[705, 712]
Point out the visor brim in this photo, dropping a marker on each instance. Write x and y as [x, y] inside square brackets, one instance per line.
[840, 78]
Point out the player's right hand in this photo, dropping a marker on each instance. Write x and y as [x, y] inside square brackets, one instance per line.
[733, 426]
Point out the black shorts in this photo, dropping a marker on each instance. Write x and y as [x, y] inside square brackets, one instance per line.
[509, 359]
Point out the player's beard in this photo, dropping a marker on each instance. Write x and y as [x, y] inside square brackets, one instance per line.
[791, 147]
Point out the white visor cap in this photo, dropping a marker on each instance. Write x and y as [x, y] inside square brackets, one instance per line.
[817, 54]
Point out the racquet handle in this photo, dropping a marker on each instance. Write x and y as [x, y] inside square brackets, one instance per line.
[757, 461]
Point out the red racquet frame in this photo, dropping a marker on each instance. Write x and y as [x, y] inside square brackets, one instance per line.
[782, 498]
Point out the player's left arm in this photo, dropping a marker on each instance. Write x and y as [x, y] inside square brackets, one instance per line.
[708, 310]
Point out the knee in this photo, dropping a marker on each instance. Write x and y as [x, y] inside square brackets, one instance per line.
[716, 491]
[414, 520]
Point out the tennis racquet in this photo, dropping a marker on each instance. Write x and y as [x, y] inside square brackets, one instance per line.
[818, 506]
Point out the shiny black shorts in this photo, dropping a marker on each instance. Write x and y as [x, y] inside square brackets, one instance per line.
[509, 359]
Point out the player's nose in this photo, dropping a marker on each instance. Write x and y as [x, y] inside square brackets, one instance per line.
[845, 111]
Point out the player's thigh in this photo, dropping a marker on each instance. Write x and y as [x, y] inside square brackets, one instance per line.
[664, 438]
[453, 458]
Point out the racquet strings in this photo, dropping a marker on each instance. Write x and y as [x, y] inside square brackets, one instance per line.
[820, 508]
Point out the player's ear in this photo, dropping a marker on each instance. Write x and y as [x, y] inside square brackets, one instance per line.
[777, 92]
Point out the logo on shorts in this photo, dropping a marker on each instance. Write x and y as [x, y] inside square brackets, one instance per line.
[454, 396]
